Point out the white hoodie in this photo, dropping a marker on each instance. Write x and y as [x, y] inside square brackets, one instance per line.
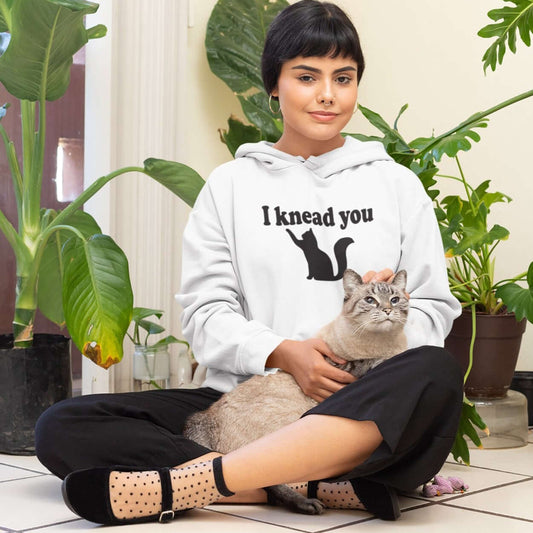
[270, 236]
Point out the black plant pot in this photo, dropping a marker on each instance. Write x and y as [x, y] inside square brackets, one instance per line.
[31, 380]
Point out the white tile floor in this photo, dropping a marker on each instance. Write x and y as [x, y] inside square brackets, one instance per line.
[500, 499]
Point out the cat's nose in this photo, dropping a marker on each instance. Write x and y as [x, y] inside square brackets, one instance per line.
[387, 310]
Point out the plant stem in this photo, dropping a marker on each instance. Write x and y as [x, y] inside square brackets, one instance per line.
[90, 192]
[472, 341]
[474, 118]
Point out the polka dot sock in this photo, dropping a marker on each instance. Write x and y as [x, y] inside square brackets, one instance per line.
[141, 494]
[337, 495]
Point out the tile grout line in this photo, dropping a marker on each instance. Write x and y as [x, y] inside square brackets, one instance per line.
[48, 525]
[21, 478]
[490, 469]
[23, 468]
[260, 521]
[501, 515]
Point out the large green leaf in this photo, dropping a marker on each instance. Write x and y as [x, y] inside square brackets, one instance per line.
[235, 36]
[97, 297]
[45, 34]
[518, 299]
[49, 297]
[178, 178]
[239, 133]
[509, 20]
[234, 43]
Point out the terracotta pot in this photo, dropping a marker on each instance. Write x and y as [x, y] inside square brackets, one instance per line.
[496, 349]
[31, 380]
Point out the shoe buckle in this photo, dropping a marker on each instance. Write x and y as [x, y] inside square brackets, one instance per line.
[166, 516]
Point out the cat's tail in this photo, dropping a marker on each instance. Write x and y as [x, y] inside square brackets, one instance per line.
[340, 254]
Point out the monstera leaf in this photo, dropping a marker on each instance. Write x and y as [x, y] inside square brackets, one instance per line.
[519, 299]
[45, 36]
[510, 20]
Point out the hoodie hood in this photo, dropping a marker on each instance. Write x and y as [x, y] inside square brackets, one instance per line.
[352, 154]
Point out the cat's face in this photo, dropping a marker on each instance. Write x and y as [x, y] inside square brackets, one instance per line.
[377, 306]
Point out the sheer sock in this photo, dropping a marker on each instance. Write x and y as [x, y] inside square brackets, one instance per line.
[139, 494]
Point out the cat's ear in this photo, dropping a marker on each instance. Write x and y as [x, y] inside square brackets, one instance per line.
[400, 280]
[351, 280]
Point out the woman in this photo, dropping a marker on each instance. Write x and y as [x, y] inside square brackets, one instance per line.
[265, 247]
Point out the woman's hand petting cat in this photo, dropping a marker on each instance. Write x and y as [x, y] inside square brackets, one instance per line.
[386, 275]
[304, 360]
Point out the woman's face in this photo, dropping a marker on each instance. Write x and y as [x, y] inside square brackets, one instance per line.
[317, 97]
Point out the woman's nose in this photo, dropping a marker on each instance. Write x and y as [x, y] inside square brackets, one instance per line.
[325, 95]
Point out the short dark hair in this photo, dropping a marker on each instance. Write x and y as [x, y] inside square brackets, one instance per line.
[309, 28]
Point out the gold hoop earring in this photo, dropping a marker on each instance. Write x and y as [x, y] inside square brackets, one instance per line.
[270, 105]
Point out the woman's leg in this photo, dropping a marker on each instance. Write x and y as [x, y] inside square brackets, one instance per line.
[301, 450]
[134, 429]
[405, 413]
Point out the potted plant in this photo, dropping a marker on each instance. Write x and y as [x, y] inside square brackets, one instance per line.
[151, 362]
[65, 267]
[235, 58]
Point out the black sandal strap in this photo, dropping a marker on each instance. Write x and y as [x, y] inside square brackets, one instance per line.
[219, 477]
[312, 489]
[167, 495]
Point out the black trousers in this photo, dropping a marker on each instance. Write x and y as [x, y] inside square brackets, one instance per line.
[414, 398]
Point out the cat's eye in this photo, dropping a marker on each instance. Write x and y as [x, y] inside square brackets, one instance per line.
[394, 300]
[369, 300]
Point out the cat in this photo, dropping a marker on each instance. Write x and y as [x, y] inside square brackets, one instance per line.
[318, 261]
[368, 331]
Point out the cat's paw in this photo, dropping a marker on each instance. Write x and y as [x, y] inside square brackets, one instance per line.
[285, 496]
[309, 506]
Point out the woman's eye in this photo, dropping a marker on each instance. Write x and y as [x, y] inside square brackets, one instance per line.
[344, 80]
[394, 300]
[306, 78]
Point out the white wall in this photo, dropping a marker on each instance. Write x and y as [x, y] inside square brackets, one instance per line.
[423, 53]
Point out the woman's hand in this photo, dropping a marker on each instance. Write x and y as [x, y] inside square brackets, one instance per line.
[304, 360]
[383, 275]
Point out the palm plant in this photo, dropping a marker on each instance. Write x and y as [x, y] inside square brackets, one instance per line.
[65, 266]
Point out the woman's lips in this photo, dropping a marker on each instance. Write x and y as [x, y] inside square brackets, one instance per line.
[323, 116]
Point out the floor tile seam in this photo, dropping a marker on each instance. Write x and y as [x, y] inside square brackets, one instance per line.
[45, 526]
[470, 493]
[347, 524]
[489, 469]
[20, 478]
[259, 521]
[23, 468]
[491, 513]
[371, 518]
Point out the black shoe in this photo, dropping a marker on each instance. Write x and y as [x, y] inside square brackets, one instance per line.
[86, 493]
[378, 499]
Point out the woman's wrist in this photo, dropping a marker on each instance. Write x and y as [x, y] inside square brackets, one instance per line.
[278, 357]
